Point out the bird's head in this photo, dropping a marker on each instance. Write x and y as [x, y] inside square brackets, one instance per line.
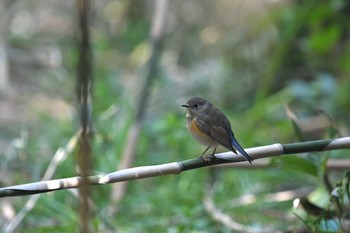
[196, 105]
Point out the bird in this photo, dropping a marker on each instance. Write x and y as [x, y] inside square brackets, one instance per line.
[210, 127]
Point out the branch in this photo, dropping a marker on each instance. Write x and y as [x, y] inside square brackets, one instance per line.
[175, 167]
[332, 164]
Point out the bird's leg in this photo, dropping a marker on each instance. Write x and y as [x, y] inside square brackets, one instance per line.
[214, 152]
[205, 151]
[210, 157]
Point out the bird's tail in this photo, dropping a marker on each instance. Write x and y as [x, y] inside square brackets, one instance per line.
[238, 147]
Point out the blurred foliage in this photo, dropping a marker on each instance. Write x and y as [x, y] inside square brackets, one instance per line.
[250, 58]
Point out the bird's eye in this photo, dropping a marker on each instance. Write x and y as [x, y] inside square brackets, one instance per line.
[196, 106]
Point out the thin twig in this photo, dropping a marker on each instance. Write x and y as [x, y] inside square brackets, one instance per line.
[156, 37]
[84, 77]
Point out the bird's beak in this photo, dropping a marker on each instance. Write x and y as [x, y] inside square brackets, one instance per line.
[185, 105]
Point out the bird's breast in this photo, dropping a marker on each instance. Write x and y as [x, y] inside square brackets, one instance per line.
[200, 136]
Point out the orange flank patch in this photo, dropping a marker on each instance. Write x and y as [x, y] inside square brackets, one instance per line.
[195, 129]
[200, 136]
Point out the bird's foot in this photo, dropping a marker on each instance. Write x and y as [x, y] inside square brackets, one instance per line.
[208, 158]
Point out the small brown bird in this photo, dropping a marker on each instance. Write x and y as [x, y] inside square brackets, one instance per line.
[210, 127]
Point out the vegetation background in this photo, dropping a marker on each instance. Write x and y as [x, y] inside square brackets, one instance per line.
[253, 59]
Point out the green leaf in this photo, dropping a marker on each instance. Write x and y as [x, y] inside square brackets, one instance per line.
[297, 164]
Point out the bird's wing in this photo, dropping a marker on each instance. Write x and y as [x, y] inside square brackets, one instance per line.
[216, 132]
[220, 130]
[202, 125]
[220, 134]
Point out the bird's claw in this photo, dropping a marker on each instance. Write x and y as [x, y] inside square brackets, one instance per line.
[208, 158]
